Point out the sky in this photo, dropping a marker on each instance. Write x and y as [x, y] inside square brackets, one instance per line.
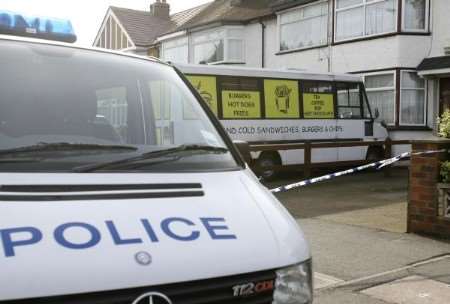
[86, 15]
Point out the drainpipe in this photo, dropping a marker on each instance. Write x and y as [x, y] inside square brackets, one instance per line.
[263, 43]
[329, 36]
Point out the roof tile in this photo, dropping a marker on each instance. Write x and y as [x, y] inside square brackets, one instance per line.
[434, 63]
[144, 28]
[230, 11]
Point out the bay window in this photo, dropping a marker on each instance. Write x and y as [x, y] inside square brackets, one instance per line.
[415, 15]
[381, 93]
[223, 45]
[412, 99]
[304, 27]
[175, 50]
[360, 18]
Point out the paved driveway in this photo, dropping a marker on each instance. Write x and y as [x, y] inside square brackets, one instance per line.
[356, 228]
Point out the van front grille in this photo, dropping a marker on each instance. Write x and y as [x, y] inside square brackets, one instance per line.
[215, 291]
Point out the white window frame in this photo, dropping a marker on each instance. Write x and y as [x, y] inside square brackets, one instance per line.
[364, 4]
[427, 17]
[164, 48]
[425, 102]
[225, 37]
[279, 14]
[381, 89]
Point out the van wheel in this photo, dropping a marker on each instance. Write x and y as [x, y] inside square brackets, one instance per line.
[265, 165]
[375, 154]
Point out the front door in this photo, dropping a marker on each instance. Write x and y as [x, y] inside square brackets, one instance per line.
[444, 95]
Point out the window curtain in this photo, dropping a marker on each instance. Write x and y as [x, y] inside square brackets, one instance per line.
[305, 27]
[367, 18]
[380, 17]
[350, 23]
[412, 107]
[209, 52]
[412, 103]
[381, 94]
[414, 15]
[384, 101]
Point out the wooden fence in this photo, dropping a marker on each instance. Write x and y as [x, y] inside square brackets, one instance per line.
[308, 148]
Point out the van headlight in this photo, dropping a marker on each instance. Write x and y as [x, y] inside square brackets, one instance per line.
[293, 285]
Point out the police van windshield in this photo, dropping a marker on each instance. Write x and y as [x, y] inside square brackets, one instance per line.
[64, 109]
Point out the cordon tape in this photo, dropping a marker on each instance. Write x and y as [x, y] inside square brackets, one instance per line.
[377, 165]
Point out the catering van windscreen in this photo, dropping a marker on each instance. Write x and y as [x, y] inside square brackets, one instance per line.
[71, 110]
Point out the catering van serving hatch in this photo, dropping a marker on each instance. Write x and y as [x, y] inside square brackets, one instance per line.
[119, 185]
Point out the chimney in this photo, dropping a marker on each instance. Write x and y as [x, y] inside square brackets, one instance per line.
[160, 8]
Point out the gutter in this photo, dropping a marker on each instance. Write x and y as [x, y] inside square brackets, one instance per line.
[263, 43]
[171, 36]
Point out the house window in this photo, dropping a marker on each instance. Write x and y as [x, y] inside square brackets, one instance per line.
[208, 48]
[415, 15]
[412, 99]
[360, 18]
[380, 90]
[304, 27]
[225, 45]
[175, 50]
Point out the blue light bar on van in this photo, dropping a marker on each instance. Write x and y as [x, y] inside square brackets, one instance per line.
[37, 27]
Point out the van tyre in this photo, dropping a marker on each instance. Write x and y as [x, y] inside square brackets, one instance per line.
[265, 163]
[375, 154]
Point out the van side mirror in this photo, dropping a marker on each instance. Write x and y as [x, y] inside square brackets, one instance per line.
[244, 149]
[377, 113]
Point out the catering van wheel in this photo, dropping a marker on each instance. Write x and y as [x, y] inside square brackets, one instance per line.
[375, 154]
[265, 165]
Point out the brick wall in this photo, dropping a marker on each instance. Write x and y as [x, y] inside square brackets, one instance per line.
[423, 203]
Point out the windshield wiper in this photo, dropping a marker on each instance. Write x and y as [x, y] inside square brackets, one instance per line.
[19, 160]
[174, 153]
[63, 146]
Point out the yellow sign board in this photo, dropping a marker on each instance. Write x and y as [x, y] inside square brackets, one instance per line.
[318, 106]
[241, 104]
[281, 99]
[207, 87]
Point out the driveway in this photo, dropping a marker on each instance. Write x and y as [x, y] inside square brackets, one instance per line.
[356, 228]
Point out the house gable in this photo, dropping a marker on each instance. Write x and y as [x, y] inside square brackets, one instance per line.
[112, 34]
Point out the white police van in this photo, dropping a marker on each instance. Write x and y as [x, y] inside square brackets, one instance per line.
[105, 197]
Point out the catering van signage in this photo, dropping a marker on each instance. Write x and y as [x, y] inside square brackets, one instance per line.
[207, 88]
[281, 98]
[316, 105]
[241, 104]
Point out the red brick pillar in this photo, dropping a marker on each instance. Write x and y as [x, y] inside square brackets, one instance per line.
[424, 214]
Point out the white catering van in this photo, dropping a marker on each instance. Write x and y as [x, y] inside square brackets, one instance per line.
[264, 106]
[105, 197]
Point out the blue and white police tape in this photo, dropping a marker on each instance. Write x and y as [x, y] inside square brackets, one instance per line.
[377, 165]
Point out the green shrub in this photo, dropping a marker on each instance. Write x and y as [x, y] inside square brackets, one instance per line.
[445, 172]
[444, 124]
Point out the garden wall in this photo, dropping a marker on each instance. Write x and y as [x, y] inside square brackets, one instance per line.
[428, 199]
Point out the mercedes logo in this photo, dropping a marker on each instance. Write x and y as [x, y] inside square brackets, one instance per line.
[152, 298]
[143, 258]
